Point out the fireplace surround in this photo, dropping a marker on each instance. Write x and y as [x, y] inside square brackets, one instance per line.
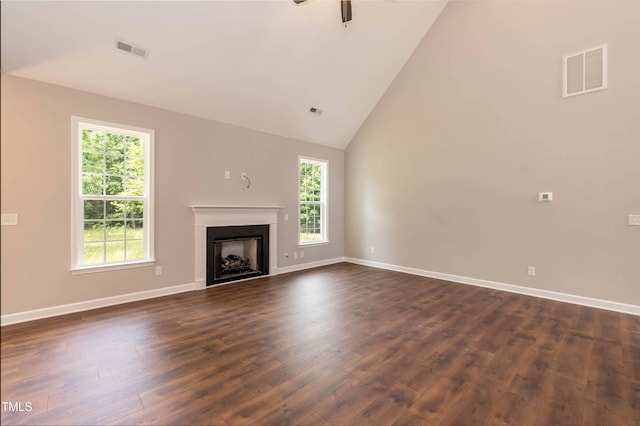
[216, 216]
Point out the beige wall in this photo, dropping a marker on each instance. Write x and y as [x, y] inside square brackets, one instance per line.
[191, 156]
[444, 174]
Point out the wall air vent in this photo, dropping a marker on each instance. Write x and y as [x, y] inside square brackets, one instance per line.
[585, 71]
[134, 50]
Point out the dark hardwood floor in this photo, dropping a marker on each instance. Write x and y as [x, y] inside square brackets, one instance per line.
[342, 344]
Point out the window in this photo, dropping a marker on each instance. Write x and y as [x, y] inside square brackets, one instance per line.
[112, 194]
[313, 201]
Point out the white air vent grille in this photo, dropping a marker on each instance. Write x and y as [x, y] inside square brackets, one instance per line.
[585, 71]
[129, 48]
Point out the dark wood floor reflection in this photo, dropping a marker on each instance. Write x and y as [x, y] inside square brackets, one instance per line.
[342, 344]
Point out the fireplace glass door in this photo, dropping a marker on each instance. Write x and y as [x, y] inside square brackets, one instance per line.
[237, 252]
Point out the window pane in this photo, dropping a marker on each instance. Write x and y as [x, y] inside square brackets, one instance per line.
[92, 141]
[115, 209]
[135, 229]
[115, 230]
[318, 225]
[313, 222]
[134, 147]
[115, 251]
[135, 250]
[135, 166]
[575, 77]
[135, 186]
[93, 209]
[94, 230]
[114, 185]
[114, 164]
[593, 67]
[92, 184]
[93, 253]
[303, 217]
[135, 209]
[92, 162]
[115, 143]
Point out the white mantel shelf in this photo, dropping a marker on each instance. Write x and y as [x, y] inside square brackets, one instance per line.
[226, 208]
[232, 216]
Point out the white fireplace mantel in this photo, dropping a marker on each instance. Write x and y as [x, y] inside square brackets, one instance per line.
[232, 216]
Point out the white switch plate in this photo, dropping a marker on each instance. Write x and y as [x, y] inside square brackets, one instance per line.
[9, 219]
[301, 253]
[286, 216]
[227, 174]
[634, 219]
[531, 271]
[295, 254]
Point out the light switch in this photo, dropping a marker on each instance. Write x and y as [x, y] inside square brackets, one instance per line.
[227, 174]
[9, 219]
[634, 219]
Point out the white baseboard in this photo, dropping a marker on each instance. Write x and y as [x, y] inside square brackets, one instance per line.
[309, 265]
[545, 294]
[92, 304]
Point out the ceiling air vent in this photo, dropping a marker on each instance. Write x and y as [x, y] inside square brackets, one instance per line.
[129, 48]
[585, 71]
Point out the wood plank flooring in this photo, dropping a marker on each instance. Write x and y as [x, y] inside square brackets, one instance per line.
[342, 344]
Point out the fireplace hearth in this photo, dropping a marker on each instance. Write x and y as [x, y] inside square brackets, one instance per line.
[236, 252]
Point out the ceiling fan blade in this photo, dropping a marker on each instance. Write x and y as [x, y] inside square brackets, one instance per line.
[345, 5]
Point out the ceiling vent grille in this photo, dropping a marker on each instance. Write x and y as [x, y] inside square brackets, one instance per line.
[585, 71]
[131, 49]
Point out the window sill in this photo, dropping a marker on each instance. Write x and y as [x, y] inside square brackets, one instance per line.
[80, 270]
[314, 243]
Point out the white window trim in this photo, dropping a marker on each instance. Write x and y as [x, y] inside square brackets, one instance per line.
[324, 194]
[77, 212]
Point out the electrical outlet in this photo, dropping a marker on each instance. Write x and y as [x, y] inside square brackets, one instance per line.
[286, 255]
[158, 270]
[634, 219]
[244, 175]
[295, 254]
[301, 253]
[531, 271]
[372, 250]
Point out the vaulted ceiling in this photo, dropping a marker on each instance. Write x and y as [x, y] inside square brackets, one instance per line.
[255, 64]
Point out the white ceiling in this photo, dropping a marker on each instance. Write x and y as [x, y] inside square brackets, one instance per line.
[255, 64]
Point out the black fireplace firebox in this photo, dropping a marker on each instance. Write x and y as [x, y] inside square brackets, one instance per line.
[236, 252]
